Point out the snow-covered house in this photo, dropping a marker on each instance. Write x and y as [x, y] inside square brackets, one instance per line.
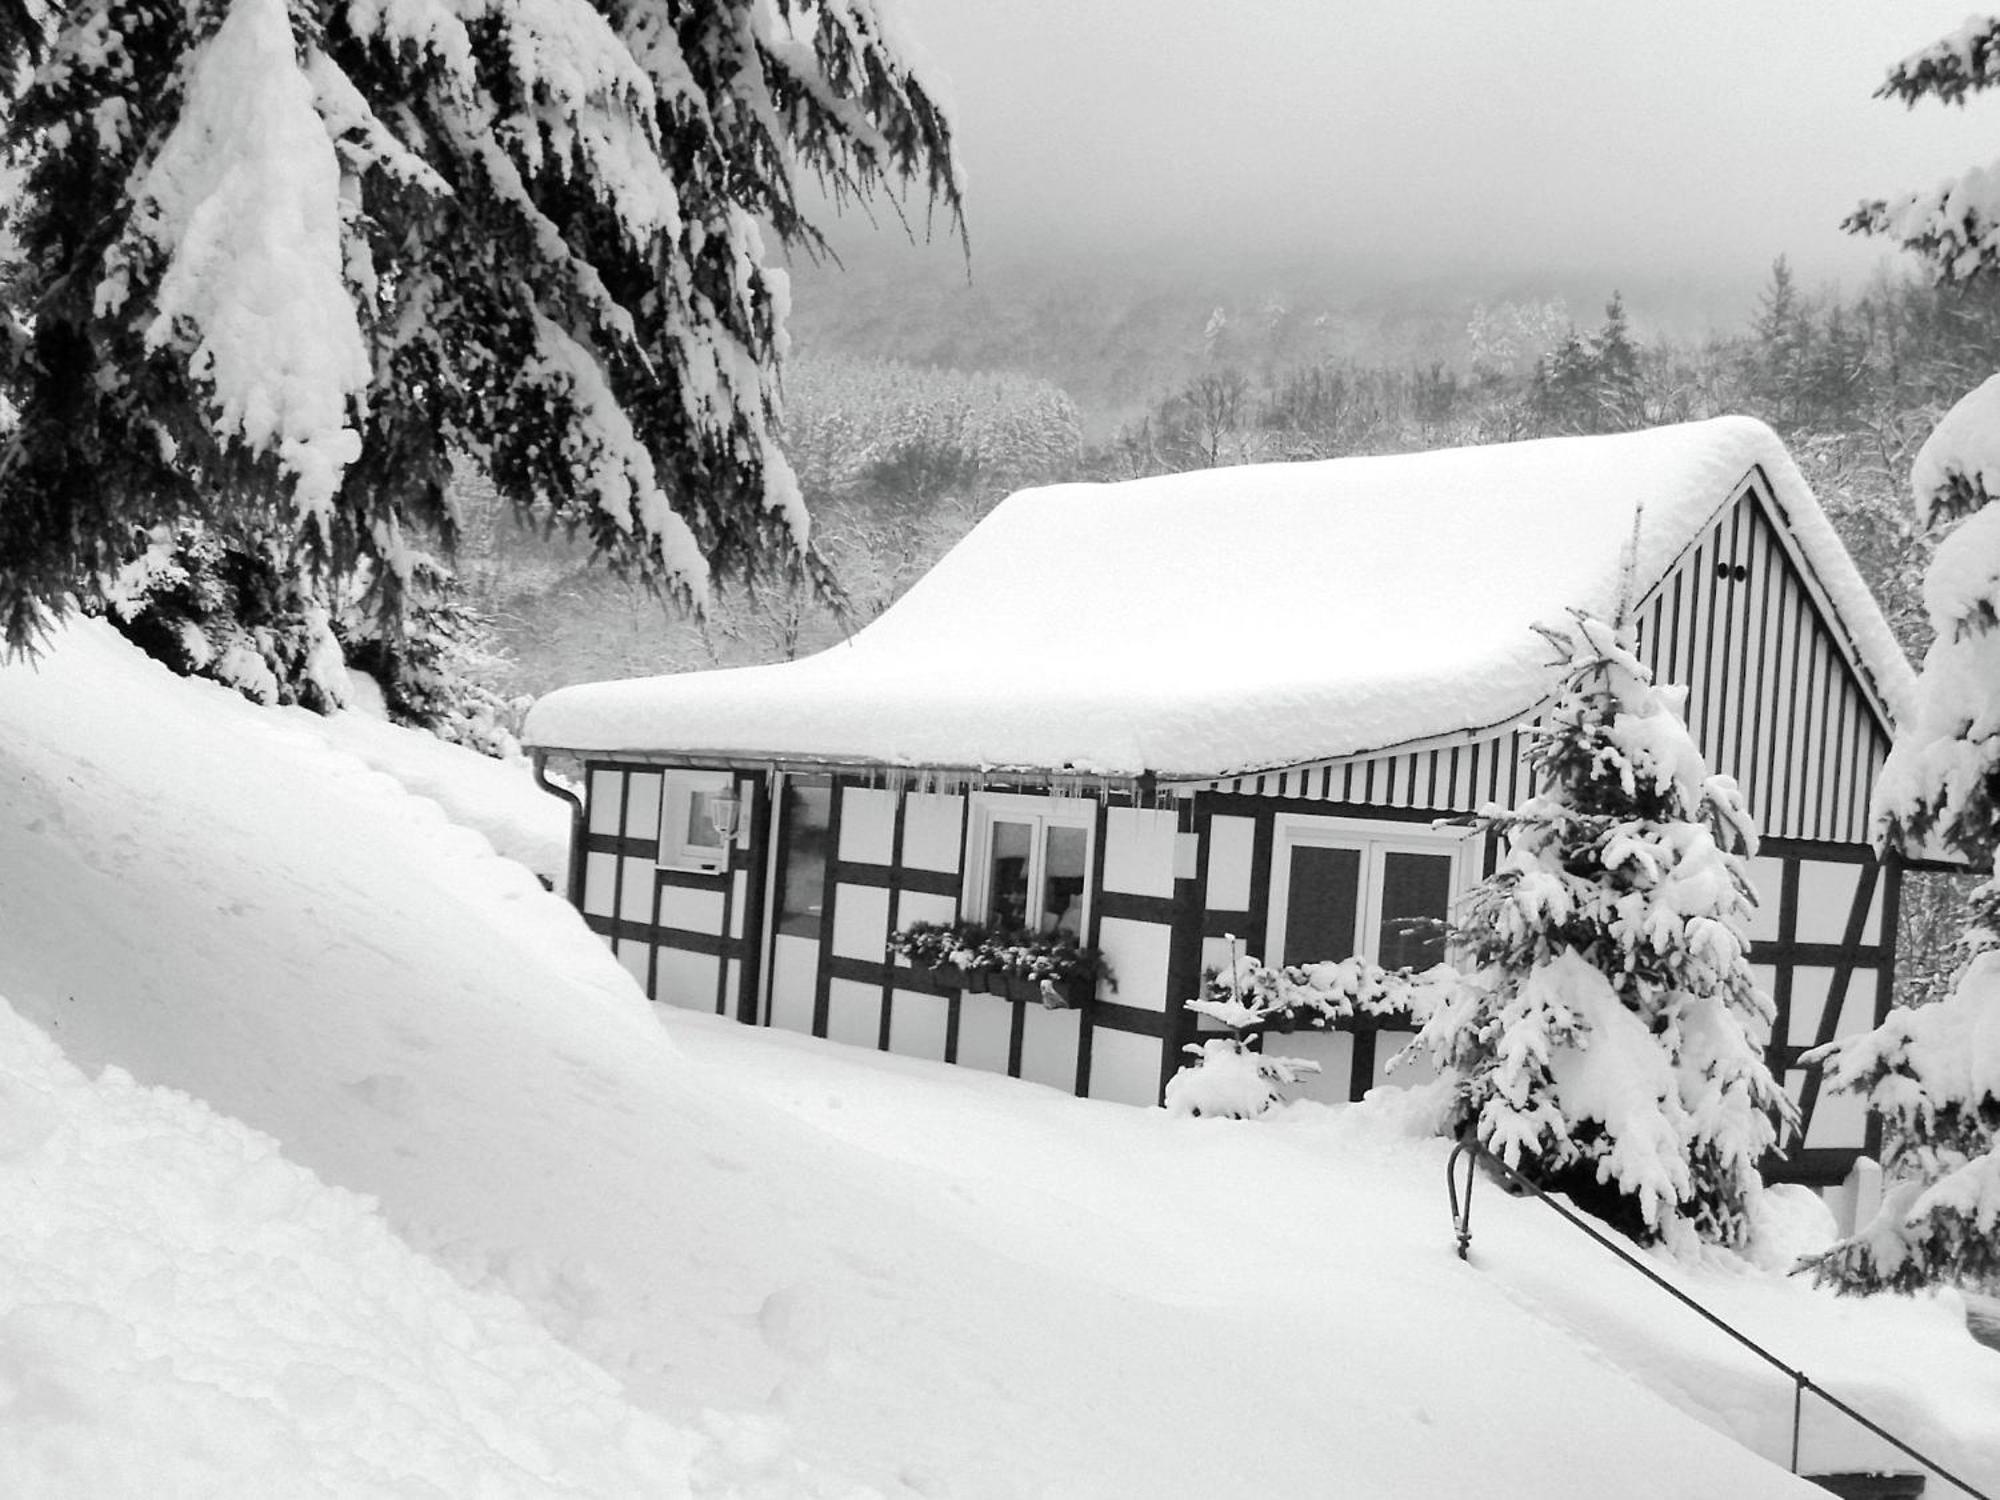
[1168, 712]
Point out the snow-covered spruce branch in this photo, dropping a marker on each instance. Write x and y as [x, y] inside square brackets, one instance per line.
[1230, 1078]
[1249, 996]
[287, 265]
[1933, 1073]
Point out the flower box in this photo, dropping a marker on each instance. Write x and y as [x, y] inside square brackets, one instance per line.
[1012, 966]
[1071, 992]
[952, 977]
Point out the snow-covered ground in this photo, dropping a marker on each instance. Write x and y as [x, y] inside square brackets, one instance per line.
[487, 1226]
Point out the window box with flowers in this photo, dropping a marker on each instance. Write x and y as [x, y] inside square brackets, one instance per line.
[1055, 971]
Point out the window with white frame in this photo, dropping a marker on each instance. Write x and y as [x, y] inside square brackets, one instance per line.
[1029, 865]
[693, 815]
[1341, 888]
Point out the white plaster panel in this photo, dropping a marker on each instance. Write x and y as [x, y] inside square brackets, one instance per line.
[794, 967]
[635, 957]
[1411, 1068]
[732, 986]
[1124, 1067]
[1765, 977]
[1857, 1010]
[925, 906]
[867, 825]
[917, 1024]
[687, 979]
[1809, 991]
[985, 1026]
[1230, 844]
[1216, 953]
[1795, 1083]
[854, 1013]
[1826, 893]
[604, 801]
[693, 908]
[1139, 851]
[932, 824]
[739, 901]
[1138, 953]
[1332, 1050]
[861, 921]
[642, 805]
[1839, 1120]
[1767, 880]
[600, 882]
[635, 897]
[1048, 1047]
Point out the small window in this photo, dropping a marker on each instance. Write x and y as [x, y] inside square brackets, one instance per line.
[690, 838]
[805, 831]
[1031, 865]
[1381, 891]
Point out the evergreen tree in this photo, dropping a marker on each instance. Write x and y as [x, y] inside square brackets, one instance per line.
[1934, 1072]
[285, 263]
[1609, 1039]
[1591, 383]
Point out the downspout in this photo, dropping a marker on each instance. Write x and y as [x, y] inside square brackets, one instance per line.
[767, 940]
[574, 876]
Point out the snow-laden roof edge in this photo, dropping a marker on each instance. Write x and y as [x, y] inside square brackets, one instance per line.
[1242, 620]
[1849, 604]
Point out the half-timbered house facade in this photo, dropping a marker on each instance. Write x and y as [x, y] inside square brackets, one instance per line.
[1177, 714]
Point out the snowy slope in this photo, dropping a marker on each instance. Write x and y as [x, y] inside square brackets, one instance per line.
[812, 1271]
[187, 1313]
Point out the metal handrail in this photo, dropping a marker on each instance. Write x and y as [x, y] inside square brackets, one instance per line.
[1461, 1214]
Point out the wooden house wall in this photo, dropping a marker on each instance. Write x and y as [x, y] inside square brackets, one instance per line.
[1172, 890]
[686, 935]
[1772, 701]
[902, 858]
[1822, 947]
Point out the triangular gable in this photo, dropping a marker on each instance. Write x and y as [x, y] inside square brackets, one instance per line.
[1779, 698]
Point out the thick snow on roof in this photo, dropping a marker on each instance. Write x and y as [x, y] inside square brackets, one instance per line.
[1242, 618]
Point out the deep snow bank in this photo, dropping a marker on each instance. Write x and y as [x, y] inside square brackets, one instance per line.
[858, 1275]
[184, 1312]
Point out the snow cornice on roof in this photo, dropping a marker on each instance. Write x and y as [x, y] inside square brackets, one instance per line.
[1230, 620]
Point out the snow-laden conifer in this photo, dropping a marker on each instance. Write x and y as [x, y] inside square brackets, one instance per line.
[289, 264]
[1608, 1040]
[1933, 1072]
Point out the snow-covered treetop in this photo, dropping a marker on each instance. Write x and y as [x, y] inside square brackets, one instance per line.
[1234, 619]
[297, 259]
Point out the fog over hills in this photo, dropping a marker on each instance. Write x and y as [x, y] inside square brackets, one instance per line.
[1118, 329]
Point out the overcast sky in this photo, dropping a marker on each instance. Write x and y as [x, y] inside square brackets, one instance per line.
[1705, 135]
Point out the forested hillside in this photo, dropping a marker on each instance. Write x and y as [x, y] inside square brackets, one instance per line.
[1115, 328]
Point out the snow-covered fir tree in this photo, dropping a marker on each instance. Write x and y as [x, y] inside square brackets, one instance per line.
[1933, 1073]
[288, 264]
[1609, 1039]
